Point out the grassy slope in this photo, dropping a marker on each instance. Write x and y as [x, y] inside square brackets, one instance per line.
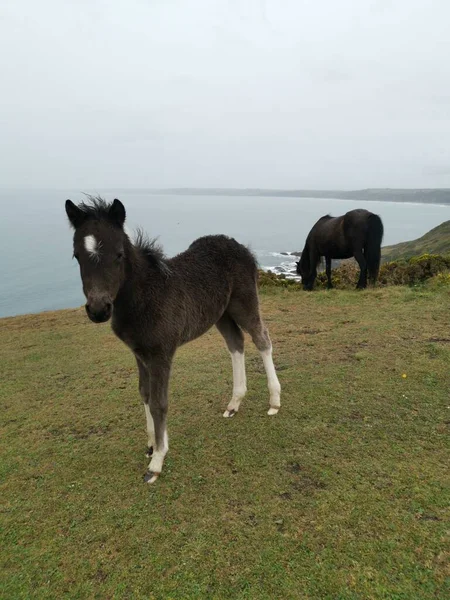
[436, 241]
[342, 495]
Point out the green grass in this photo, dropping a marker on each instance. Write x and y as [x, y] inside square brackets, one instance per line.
[343, 495]
[435, 241]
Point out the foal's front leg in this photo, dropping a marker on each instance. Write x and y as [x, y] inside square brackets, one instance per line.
[144, 390]
[159, 371]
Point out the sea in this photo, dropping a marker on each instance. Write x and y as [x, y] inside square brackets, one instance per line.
[37, 272]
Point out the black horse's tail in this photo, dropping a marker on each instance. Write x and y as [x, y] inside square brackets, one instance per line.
[373, 246]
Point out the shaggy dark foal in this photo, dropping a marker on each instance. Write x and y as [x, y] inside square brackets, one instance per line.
[358, 233]
[158, 304]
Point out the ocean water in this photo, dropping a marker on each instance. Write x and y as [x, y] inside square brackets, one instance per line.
[37, 272]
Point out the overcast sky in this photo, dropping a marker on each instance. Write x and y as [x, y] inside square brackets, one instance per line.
[229, 93]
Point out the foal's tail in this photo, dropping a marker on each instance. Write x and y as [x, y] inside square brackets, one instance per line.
[372, 248]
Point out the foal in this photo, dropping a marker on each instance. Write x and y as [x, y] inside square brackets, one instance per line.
[158, 304]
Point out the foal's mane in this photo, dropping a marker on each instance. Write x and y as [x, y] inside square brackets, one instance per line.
[152, 251]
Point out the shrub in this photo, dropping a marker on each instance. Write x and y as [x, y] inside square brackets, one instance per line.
[269, 279]
[344, 276]
[413, 271]
[440, 280]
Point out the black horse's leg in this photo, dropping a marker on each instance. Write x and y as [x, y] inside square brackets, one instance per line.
[159, 370]
[362, 282]
[314, 258]
[328, 269]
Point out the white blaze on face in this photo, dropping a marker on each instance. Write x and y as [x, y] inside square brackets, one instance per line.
[91, 245]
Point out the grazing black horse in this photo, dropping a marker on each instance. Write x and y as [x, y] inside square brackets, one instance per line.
[158, 304]
[358, 233]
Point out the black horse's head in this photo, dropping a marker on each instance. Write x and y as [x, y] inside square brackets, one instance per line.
[100, 246]
[306, 270]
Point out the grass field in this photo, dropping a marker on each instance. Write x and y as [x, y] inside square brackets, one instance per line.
[343, 495]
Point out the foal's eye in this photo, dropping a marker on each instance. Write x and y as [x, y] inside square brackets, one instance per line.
[119, 255]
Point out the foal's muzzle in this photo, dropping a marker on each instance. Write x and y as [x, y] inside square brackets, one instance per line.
[99, 312]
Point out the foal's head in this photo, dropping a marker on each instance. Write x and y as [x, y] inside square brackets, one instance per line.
[99, 245]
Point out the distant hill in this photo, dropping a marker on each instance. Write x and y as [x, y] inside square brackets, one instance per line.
[436, 241]
[426, 195]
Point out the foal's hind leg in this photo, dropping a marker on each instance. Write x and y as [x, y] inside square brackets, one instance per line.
[234, 339]
[246, 313]
[261, 339]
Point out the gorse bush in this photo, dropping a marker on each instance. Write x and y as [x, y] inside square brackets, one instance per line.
[414, 271]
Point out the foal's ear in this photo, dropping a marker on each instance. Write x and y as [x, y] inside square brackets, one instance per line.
[75, 214]
[117, 212]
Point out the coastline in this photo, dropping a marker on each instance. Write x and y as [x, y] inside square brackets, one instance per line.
[435, 196]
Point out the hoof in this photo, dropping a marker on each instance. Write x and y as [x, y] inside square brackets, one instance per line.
[149, 452]
[272, 411]
[150, 477]
[229, 413]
